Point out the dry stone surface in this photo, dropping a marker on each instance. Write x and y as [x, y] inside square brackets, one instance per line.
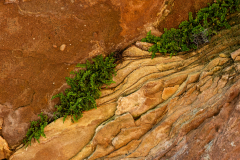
[4, 149]
[185, 107]
[41, 41]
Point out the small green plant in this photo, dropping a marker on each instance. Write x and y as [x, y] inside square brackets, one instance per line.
[85, 87]
[36, 129]
[194, 32]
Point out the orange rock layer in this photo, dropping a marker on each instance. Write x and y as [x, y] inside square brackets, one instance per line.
[41, 41]
[185, 107]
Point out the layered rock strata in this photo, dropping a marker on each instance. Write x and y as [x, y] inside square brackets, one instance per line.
[184, 107]
[41, 41]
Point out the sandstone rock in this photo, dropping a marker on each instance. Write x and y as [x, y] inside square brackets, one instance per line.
[130, 147]
[134, 51]
[206, 85]
[142, 100]
[143, 45]
[238, 67]
[168, 92]
[215, 62]
[200, 120]
[224, 55]
[151, 117]
[235, 54]
[4, 149]
[105, 135]
[237, 58]
[193, 78]
[65, 134]
[205, 74]
[30, 70]
[29, 62]
[164, 67]
[215, 69]
[128, 134]
[153, 30]
[155, 111]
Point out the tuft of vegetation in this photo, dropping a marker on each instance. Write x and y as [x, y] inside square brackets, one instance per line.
[85, 89]
[194, 32]
[36, 129]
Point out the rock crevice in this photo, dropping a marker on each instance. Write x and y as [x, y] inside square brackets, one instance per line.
[184, 107]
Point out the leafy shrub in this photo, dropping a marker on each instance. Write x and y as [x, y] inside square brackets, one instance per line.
[194, 32]
[36, 129]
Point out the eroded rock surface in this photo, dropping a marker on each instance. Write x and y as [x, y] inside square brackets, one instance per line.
[41, 41]
[185, 107]
[4, 149]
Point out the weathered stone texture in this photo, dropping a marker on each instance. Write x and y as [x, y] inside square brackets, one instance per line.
[158, 109]
[174, 12]
[4, 149]
[76, 135]
[41, 41]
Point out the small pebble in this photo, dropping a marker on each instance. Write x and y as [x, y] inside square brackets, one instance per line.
[54, 46]
[62, 47]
